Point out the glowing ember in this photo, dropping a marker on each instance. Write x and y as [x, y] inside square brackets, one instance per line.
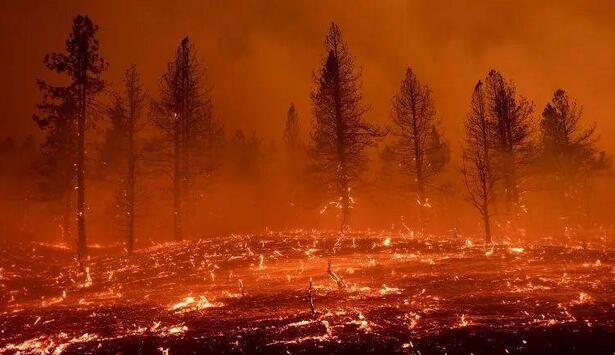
[411, 284]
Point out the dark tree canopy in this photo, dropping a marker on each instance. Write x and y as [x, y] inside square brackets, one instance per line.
[569, 152]
[184, 114]
[121, 150]
[420, 149]
[510, 117]
[339, 133]
[84, 66]
[81, 61]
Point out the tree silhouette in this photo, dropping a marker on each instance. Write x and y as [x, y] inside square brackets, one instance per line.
[569, 153]
[246, 154]
[510, 116]
[477, 167]
[420, 149]
[183, 114]
[339, 133]
[292, 134]
[84, 66]
[126, 117]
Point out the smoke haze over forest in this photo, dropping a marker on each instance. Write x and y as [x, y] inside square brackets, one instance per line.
[261, 56]
[307, 177]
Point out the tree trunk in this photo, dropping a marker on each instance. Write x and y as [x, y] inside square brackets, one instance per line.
[418, 161]
[177, 184]
[345, 196]
[342, 174]
[487, 225]
[131, 190]
[185, 185]
[510, 181]
[67, 214]
[81, 241]
[420, 187]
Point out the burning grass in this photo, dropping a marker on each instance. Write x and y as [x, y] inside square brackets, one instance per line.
[369, 291]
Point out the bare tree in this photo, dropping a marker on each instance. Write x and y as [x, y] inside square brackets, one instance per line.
[510, 116]
[420, 149]
[477, 158]
[339, 133]
[84, 66]
[183, 114]
[126, 117]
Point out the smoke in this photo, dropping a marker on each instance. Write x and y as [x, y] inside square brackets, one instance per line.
[260, 55]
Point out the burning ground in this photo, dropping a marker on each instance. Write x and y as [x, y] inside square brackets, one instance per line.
[374, 292]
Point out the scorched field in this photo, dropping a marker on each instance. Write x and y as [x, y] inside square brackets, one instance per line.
[311, 292]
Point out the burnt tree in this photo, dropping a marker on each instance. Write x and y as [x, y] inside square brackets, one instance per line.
[84, 66]
[183, 114]
[339, 133]
[568, 152]
[419, 149]
[510, 120]
[126, 119]
[477, 166]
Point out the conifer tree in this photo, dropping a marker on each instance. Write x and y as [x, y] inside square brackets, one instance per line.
[84, 66]
[340, 133]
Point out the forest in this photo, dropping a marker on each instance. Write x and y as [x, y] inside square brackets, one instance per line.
[144, 220]
[165, 161]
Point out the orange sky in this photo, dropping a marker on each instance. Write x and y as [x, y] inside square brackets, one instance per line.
[261, 54]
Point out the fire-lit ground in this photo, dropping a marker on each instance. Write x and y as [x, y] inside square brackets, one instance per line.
[249, 294]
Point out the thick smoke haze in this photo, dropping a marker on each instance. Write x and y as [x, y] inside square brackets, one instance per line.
[261, 55]
[307, 176]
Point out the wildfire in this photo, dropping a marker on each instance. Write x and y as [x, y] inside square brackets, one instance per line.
[381, 273]
[516, 250]
[190, 303]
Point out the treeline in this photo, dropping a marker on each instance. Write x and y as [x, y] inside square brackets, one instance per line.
[509, 149]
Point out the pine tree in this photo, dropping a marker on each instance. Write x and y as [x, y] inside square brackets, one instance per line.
[477, 166]
[340, 134]
[84, 66]
[420, 149]
[183, 114]
[510, 116]
[569, 152]
[126, 118]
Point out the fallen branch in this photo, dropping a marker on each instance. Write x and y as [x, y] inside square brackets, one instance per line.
[310, 298]
[340, 283]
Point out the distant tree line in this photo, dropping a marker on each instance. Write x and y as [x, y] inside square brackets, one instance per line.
[504, 145]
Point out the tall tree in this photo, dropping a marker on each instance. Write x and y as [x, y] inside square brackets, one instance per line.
[339, 134]
[569, 152]
[477, 158]
[126, 118]
[510, 116]
[420, 149]
[84, 66]
[183, 113]
[292, 134]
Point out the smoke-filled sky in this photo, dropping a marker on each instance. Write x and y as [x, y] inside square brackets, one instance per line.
[260, 54]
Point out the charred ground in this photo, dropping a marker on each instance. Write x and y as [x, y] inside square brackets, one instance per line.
[249, 294]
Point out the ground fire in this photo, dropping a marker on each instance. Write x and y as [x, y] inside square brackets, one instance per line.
[268, 177]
